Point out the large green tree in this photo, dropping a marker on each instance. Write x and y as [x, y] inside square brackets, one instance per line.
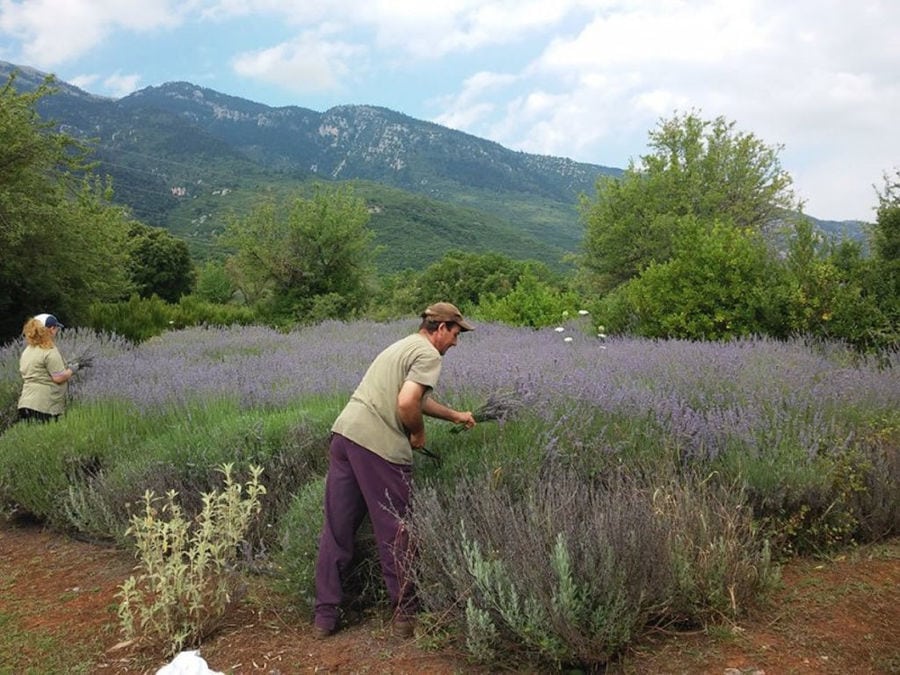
[886, 234]
[885, 283]
[306, 261]
[160, 263]
[720, 282]
[828, 287]
[63, 244]
[707, 170]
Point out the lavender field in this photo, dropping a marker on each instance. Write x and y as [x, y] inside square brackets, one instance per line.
[579, 394]
[707, 396]
[755, 396]
[722, 455]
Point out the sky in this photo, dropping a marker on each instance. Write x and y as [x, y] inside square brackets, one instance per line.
[583, 79]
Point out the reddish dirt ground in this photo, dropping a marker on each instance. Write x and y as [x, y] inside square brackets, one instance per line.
[836, 616]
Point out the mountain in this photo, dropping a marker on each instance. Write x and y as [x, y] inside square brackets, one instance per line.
[366, 142]
[189, 158]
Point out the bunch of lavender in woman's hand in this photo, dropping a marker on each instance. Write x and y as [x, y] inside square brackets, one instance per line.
[498, 407]
[85, 360]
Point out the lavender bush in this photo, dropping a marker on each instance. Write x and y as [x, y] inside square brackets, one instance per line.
[568, 570]
[255, 367]
[87, 471]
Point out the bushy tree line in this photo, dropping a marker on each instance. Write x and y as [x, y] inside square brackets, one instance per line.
[704, 239]
[64, 243]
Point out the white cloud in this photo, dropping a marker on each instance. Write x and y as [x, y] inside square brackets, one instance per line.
[53, 31]
[118, 85]
[84, 81]
[115, 85]
[820, 78]
[307, 64]
[434, 30]
[464, 109]
[419, 29]
[297, 13]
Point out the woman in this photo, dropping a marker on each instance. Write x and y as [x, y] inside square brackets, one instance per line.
[44, 372]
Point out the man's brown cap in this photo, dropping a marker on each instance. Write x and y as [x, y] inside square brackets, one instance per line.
[444, 311]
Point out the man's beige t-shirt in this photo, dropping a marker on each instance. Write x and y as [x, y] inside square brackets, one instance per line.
[370, 418]
[39, 391]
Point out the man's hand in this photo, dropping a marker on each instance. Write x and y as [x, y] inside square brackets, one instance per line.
[417, 440]
[466, 418]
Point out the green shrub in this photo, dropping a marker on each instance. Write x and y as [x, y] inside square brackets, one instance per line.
[182, 454]
[816, 505]
[40, 462]
[139, 319]
[214, 284]
[82, 472]
[533, 303]
[299, 531]
[188, 575]
[192, 310]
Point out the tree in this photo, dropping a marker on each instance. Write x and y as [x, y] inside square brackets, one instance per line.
[214, 284]
[827, 287]
[464, 279]
[886, 235]
[532, 302]
[309, 263]
[704, 169]
[160, 263]
[884, 282]
[720, 282]
[63, 242]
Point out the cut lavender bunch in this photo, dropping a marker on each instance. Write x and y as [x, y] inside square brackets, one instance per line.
[498, 407]
[85, 358]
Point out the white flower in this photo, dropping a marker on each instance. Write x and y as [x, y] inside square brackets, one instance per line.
[568, 339]
[583, 312]
[559, 329]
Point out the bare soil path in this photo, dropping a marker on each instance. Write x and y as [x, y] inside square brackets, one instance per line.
[57, 614]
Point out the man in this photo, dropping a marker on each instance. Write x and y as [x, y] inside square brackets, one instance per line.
[370, 463]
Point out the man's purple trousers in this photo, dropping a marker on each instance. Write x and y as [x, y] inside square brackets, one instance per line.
[360, 481]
